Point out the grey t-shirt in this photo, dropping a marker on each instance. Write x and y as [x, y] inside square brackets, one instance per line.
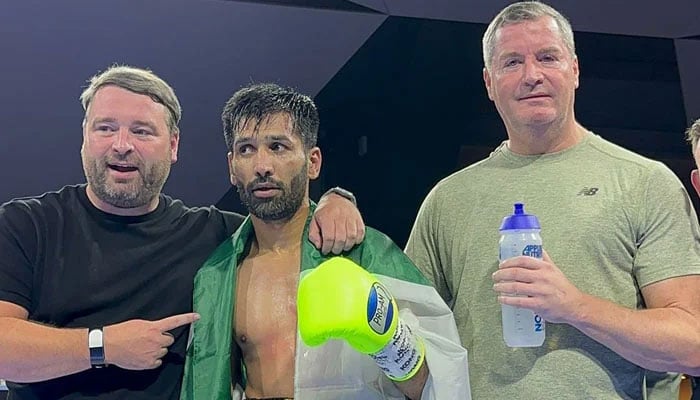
[612, 221]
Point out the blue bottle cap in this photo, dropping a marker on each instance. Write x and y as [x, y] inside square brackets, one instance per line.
[519, 220]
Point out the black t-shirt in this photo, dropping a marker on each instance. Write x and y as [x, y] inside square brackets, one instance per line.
[71, 265]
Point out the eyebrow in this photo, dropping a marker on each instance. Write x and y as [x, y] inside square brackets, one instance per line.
[113, 120]
[268, 138]
[509, 55]
[102, 120]
[550, 49]
[144, 123]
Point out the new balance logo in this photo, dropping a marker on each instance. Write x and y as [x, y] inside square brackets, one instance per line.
[588, 191]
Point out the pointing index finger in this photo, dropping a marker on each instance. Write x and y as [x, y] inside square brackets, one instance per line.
[176, 321]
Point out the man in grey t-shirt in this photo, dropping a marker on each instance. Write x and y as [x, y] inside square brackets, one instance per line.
[618, 285]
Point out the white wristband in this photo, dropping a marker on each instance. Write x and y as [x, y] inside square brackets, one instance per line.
[401, 358]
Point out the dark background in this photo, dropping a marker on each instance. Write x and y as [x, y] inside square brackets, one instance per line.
[398, 84]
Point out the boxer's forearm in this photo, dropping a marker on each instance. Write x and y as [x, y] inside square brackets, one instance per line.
[413, 388]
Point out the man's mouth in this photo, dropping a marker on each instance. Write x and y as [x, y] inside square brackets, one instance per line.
[265, 186]
[265, 189]
[122, 168]
[534, 96]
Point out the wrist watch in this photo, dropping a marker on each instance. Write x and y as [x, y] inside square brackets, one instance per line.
[343, 193]
[96, 346]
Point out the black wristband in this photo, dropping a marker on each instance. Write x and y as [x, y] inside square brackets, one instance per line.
[343, 193]
[96, 347]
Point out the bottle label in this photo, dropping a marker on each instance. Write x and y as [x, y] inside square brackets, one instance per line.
[533, 250]
[539, 323]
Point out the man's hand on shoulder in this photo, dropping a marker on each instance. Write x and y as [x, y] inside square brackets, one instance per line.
[337, 225]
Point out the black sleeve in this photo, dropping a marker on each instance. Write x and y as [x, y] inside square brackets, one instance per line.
[18, 249]
[232, 221]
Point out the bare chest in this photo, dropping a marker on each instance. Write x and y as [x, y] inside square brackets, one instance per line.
[265, 308]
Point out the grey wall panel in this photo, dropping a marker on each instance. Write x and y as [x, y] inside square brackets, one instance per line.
[688, 53]
[205, 49]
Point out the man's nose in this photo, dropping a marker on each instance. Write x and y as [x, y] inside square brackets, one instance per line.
[532, 73]
[122, 142]
[263, 164]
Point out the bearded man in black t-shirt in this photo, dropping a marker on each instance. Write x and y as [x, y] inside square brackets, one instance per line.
[96, 279]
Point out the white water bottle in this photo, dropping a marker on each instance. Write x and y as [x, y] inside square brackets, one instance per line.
[520, 236]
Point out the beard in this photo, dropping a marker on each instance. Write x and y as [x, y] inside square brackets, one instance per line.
[278, 208]
[136, 192]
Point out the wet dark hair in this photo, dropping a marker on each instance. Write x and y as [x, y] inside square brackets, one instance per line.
[258, 102]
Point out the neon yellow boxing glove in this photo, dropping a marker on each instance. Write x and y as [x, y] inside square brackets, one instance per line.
[341, 300]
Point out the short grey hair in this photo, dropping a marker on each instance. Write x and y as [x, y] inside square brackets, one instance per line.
[521, 12]
[137, 80]
[693, 134]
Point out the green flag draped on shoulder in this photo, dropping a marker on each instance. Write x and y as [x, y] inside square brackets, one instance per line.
[333, 370]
